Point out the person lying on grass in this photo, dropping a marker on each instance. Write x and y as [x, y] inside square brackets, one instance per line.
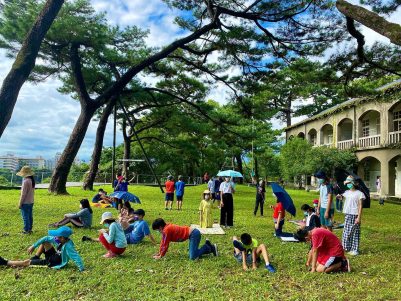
[112, 238]
[57, 247]
[137, 231]
[175, 233]
[326, 254]
[248, 251]
[82, 218]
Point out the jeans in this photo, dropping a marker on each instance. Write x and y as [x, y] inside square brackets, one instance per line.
[26, 212]
[279, 232]
[194, 240]
[339, 205]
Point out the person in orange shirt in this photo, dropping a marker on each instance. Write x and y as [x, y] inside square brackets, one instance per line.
[169, 199]
[175, 233]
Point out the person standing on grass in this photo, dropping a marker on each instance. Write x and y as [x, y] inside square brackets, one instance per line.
[379, 190]
[205, 210]
[227, 203]
[260, 197]
[337, 191]
[179, 191]
[169, 198]
[27, 198]
[210, 187]
[248, 251]
[57, 247]
[81, 219]
[175, 233]
[353, 204]
[217, 183]
[325, 208]
[326, 254]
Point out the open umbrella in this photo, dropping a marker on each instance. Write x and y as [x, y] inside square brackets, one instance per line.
[284, 198]
[229, 173]
[126, 196]
[341, 174]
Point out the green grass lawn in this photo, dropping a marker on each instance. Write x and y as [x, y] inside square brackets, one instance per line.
[136, 276]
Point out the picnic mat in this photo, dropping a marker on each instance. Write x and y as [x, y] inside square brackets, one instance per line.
[216, 230]
[100, 205]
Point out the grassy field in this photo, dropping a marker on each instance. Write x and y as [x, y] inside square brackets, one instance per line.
[136, 276]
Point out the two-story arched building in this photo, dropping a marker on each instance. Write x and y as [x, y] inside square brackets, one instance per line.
[371, 127]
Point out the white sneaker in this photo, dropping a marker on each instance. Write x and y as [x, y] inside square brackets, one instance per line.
[353, 253]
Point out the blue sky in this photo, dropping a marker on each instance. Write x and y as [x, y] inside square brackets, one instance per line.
[43, 118]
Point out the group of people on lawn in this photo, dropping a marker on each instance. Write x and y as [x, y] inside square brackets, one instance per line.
[326, 252]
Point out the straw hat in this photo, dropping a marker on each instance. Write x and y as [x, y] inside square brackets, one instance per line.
[206, 192]
[25, 171]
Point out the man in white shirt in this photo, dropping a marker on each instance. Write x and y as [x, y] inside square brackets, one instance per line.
[227, 203]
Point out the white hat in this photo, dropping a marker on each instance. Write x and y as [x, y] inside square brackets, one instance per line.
[106, 216]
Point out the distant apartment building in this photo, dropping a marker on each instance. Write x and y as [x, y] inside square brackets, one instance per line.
[371, 127]
[9, 162]
[38, 162]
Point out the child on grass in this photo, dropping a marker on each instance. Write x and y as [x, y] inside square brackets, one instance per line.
[278, 219]
[57, 247]
[205, 210]
[138, 230]
[179, 191]
[112, 238]
[81, 219]
[127, 213]
[169, 197]
[175, 233]
[248, 251]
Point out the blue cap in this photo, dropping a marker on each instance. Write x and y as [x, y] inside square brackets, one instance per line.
[63, 231]
[320, 175]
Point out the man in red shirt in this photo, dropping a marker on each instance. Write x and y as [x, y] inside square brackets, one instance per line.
[327, 253]
[169, 193]
[175, 233]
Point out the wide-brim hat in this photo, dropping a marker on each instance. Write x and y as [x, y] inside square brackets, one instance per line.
[349, 179]
[63, 231]
[106, 216]
[25, 171]
[206, 191]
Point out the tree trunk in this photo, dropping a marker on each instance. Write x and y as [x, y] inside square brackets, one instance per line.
[127, 149]
[60, 174]
[97, 150]
[240, 167]
[25, 61]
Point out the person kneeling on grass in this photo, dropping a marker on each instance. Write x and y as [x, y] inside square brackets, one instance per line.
[112, 238]
[57, 247]
[248, 251]
[137, 231]
[326, 254]
[175, 233]
[82, 218]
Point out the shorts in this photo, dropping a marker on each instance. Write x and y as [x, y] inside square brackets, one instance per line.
[332, 261]
[179, 198]
[52, 258]
[169, 196]
[328, 222]
[238, 257]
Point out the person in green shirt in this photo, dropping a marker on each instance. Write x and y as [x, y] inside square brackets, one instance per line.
[247, 251]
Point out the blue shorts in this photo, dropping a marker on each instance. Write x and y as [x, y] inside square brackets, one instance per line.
[169, 196]
[328, 222]
[238, 257]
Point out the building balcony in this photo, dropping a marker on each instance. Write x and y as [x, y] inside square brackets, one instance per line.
[370, 141]
[394, 137]
[346, 144]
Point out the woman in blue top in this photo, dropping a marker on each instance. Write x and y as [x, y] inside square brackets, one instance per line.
[82, 218]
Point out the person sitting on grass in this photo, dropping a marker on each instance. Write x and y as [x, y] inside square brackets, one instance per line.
[326, 254]
[57, 247]
[312, 221]
[127, 213]
[175, 233]
[248, 251]
[99, 196]
[113, 238]
[137, 231]
[81, 219]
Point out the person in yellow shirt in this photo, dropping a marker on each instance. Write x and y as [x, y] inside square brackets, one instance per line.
[205, 210]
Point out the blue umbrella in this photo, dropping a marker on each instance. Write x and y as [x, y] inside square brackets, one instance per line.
[230, 173]
[284, 198]
[126, 196]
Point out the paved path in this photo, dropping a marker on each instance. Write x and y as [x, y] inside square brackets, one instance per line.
[69, 184]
